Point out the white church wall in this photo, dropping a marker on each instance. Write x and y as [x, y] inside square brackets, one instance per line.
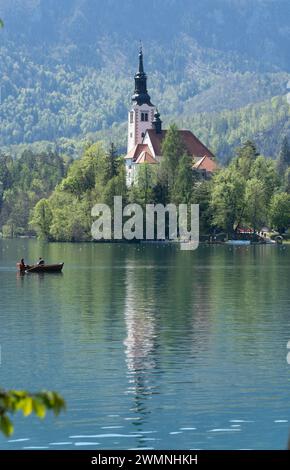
[139, 120]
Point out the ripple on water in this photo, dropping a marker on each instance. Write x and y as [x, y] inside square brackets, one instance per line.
[240, 421]
[19, 440]
[148, 432]
[112, 427]
[34, 448]
[187, 429]
[103, 436]
[224, 430]
[87, 443]
[60, 443]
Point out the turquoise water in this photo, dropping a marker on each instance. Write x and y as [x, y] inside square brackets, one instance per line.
[152, 347]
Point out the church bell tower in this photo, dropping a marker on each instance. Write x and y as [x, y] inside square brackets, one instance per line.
[141, 115]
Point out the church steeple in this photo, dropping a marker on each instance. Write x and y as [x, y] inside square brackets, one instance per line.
[141, 94]
[141, 66]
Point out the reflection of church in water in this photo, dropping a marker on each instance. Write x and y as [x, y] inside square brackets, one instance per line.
[140, 347]
[148, 351]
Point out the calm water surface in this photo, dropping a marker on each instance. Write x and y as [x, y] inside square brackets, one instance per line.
[152, 347]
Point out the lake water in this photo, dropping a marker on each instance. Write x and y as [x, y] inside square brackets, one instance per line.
[151, 347]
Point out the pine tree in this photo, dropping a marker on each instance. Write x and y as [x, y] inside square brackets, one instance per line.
[246, 156]
[172, 151]
[283, 160]
[183, 186]
[112, 161]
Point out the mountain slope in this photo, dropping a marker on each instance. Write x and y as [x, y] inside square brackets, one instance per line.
[67, 66]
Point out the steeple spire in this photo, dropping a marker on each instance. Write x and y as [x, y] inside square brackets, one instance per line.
[141, 67]
[141, 94]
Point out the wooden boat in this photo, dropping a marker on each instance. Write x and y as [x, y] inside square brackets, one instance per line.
[41, 268]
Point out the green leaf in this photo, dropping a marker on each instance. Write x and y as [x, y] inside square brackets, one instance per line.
[39, 408]
[1, 23]
[6, 426]
[27, 406]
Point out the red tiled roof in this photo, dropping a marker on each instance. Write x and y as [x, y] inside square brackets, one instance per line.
[191, 143]
[137, 150]
[146, 157]
[206, 163]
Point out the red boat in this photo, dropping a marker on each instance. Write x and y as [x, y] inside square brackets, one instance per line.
[40, 268]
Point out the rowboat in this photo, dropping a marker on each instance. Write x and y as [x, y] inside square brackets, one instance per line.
[41, 268]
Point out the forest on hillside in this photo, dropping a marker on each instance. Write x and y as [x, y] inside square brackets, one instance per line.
[53, 197]
[67, 67]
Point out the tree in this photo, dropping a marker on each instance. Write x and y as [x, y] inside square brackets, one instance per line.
[264, 169]
[255, 203]
[246, 157]
[286, 185]
[42, 219]
[280, 212]
[202, 196]
[283, 160]
[182, 190]
[142, 192]
[227, 199]
[172, 151]
[19, 400]
[25, 181]
[111, 163]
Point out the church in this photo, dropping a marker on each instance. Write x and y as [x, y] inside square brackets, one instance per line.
[145, 134]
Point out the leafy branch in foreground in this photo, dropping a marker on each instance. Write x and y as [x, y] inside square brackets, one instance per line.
[19, 400]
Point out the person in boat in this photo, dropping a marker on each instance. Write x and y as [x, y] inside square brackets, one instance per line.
[40, 262]
[22, 265]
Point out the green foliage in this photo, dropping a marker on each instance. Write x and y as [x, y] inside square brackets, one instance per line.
[221, 85]
[280, 211]
[227, 199]
[225, 130]
[19, 400]
[23, 182]
[60, 208]
[202, 195]
[182, 190]
[172, 151]
[286, 185]
[255, 203]
[283, 161]
[42, 219]
[96, 177]
[242, 192]
[142, 191]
